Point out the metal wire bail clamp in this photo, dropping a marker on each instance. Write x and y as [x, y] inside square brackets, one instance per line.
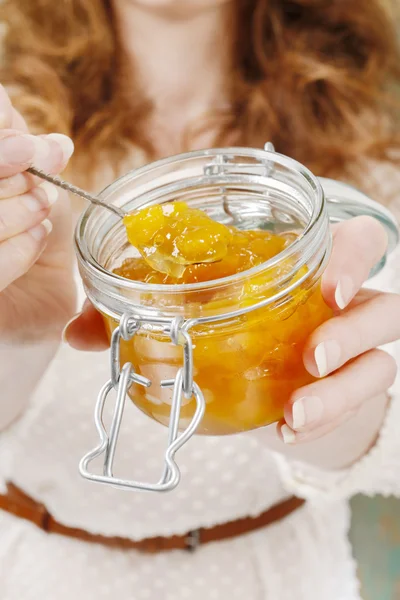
[120, 381]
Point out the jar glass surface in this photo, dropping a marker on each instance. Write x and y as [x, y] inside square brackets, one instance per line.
[249, 329]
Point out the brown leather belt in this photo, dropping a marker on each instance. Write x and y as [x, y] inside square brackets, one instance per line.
[16, 502]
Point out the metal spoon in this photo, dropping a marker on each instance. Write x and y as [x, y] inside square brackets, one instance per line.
[75, 190]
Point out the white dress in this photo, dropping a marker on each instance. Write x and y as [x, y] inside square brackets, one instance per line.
[307, 556]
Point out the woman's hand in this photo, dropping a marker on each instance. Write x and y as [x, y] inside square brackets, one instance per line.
[37, 294]
[343, 351]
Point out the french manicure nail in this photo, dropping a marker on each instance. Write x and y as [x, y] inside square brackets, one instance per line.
[327, 357]
[289, 436]
[45, 195]
[17, 149]
[344, 292]
[306, 411]
[48, 225]
[41, 231]
[42, 150]
[64, 331]
[50, 191]
[67, 145]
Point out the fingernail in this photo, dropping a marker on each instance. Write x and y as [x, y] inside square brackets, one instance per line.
[45, 195]
[64, 331]
[344, 292]
[67, 145]
[327, 357]
[41, 231]
[17, 149]
[306, 411]
[289, 436]
[50, 191]
[42, 150]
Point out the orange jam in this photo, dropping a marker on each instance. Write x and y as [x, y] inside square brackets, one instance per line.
[172, 236]
[247, 367]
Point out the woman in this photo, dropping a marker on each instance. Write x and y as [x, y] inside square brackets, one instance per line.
[126, 79]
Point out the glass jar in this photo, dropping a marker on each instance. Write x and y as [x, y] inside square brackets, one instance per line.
[223, 356]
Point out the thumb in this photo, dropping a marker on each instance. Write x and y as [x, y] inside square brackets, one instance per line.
[86, 331]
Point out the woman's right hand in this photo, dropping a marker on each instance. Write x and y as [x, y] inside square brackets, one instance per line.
[37, 291]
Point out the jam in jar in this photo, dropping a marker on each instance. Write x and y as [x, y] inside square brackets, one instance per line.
[246, 367]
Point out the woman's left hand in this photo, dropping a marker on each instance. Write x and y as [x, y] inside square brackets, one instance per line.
[343, 352]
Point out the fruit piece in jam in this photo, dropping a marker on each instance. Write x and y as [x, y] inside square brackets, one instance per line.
[173, 236]
[247, 368]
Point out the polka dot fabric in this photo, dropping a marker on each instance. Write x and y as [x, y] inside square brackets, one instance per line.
[222, 478]
[306, 553]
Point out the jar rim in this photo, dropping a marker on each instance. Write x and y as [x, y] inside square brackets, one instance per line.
[296, 247]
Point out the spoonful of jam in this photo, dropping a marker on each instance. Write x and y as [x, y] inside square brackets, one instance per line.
[169, 237]
[172, 236]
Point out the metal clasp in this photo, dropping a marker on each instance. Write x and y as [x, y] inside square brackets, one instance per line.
[193, 540]
[120, 381]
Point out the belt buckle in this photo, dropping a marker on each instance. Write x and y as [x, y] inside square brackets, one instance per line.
[192, 540]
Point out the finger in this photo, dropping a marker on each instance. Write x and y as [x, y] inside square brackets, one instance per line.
[363, 295]
[21, 183]
[290, 436]
[24, 212]
[363, 327]
[17, 184]
[358, 245]
[86, 331]
[17, 151]
[18, 122]
[323, 402]
[19, 253]
[6, 109]
[61, 150]
[20, 151]
[55, 150]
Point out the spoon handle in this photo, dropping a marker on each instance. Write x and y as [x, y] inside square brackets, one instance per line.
[75, 190]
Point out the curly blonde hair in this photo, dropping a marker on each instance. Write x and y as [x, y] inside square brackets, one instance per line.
[316, 77]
